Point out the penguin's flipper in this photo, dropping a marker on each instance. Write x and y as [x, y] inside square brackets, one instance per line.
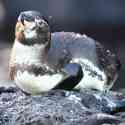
[73, 75]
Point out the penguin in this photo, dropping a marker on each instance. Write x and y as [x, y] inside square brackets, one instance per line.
[41, 60]
[28, 66]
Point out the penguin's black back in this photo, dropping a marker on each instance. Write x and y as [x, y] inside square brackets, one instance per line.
[67, 46]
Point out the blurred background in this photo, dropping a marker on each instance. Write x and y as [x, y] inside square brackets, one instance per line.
[100, 19]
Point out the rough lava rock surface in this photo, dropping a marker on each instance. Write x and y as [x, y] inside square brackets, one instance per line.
[58, 107]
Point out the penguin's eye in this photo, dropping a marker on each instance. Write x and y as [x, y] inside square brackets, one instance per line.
[28, 18]
[22, 20]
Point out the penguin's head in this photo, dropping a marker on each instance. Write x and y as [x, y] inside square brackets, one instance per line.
[32, 28]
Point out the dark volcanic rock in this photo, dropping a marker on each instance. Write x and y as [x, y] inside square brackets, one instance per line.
[59, 107]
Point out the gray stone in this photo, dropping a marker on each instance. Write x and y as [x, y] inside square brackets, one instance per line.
[59, 107]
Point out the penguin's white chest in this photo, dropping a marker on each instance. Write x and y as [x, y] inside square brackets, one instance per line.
[28, 54]
[27, 81]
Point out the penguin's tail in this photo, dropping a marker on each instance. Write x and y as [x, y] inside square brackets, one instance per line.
[102, 118]
[118, 106]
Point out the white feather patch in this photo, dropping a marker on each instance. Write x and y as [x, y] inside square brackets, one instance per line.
[28, 54]
[93, 77]
[37, 84]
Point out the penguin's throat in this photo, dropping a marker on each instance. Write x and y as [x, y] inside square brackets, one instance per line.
[25, 54]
